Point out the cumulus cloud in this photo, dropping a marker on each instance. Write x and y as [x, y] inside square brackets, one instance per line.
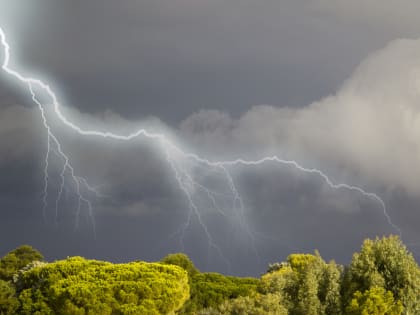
[370, 128]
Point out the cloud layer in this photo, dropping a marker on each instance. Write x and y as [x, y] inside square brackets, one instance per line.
[370, 128]
[119, 62]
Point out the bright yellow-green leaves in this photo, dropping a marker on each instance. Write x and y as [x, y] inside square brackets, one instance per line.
[300, 262]
[375, 301]
[80, 286]
[385, 263]
[307, 285]
[382, 279]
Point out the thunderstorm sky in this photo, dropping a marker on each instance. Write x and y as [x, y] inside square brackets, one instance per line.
[331, 84]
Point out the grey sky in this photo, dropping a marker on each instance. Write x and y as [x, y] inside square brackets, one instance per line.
[323, 82]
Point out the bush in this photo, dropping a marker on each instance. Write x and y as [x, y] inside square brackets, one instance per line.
[80, 286]
[15, 260]
[208, 290]
[385, 263]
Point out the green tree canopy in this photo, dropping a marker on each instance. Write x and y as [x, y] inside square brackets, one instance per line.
[383, 279]
[385, 263]
[375, 301]
[8, 301]
[181, 260]
[307, 285]
[208, 290]
[15, 260]
[80, 286]
[259, 304]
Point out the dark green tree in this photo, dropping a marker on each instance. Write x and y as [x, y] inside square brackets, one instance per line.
[183, 261]
[8, 301]
[209, 290]
[259, 304]
[15, 260]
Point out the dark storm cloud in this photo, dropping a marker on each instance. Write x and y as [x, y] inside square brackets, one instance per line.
[116, 63]
[203, 54]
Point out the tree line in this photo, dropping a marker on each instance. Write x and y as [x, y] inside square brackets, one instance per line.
[383, 278]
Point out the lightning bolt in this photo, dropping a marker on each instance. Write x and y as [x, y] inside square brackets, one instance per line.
[182, 163]
[66, 166]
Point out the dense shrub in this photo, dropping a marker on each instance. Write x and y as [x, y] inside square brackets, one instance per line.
[80, 286]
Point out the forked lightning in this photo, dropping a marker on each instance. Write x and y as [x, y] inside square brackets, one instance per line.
[175, 156]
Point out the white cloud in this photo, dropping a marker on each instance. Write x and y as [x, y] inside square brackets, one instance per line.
[370, 127]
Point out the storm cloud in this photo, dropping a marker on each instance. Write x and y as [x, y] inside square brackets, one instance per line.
[340, 92]
[369, 127]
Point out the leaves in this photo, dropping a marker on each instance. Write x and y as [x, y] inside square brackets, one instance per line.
[77, 285]
[385, 263]
[375, 301]
[8, 301]
[17, 259]
[382, 279]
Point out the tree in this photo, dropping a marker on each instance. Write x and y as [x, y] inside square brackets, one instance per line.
[209, 290]
[8, 302]
[268, 304]
[385, 263]
[80, 286]
[15, 260]
[181, 260]
[375, 301]
[306, 284]
[329, 290]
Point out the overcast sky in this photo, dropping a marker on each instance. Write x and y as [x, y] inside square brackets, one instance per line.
[331, 84]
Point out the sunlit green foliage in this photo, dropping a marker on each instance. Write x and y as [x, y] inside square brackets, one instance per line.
[385, 263]
[209, 289]
[212, 289]
[181, 260]
[258, 304]
[375, 301]
[15, 260]
[383, 279]
[306, 284]
[80, 286]
[8, 301]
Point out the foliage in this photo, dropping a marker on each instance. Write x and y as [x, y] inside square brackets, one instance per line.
[276, 266]
[385, 263]
[259, 304]
[15, 260]
[383, 279]
[181, 260]
[208, 290]
[8, 301]
[306, 284]
[80, 286]
[375, 301]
